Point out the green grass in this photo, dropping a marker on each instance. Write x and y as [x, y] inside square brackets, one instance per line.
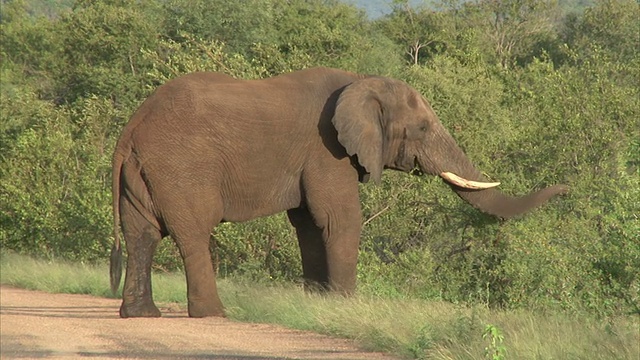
[410, 328]
[56, 276]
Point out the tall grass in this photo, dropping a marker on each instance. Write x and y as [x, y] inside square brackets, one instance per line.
[57, 276]
[409, 328]
[437, 330]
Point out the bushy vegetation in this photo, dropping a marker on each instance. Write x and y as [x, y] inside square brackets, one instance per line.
[535, 94]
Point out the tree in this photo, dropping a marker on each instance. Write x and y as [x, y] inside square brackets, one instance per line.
[104, 57]
[416, 29]
[237, 24]
[511, 28]
[610, 25]
[330, 32]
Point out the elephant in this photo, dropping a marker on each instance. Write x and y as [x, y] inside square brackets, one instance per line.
[206, 148]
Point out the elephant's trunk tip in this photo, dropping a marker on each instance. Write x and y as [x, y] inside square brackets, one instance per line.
[561, 189]
[517, 206]
[115, 270]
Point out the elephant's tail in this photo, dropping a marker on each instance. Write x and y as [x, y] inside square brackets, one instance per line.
[115, 272]
[115, 269]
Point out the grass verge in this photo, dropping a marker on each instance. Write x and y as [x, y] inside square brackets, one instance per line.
[409, 328]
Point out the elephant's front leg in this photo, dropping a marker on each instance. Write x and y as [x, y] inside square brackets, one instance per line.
[312, 250]
[338, 215]
[342, 256]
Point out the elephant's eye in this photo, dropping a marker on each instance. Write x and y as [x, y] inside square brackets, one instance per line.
[423, 127]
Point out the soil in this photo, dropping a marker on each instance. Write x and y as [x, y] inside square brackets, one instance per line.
[35, 324]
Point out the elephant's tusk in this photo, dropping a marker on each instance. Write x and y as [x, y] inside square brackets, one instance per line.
[467, 184]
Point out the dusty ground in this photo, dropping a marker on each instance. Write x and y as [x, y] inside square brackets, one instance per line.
[58, 326]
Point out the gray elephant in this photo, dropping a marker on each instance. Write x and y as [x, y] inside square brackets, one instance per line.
[205, 148]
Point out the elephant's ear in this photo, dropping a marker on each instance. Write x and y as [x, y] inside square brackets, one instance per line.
[357, 119]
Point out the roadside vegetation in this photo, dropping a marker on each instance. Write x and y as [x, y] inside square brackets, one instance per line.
[536, 92]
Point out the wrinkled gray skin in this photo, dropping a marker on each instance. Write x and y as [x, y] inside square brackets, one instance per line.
[205, 148]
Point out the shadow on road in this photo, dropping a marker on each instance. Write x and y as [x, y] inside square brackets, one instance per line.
[92, 312]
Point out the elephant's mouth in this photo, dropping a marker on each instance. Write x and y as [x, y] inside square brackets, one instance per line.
[465, 183]
[417, 170]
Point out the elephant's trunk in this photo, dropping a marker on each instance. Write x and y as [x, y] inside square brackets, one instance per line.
[474, 188]
[493, 202]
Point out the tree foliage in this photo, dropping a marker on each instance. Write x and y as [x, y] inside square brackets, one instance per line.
[536, 92]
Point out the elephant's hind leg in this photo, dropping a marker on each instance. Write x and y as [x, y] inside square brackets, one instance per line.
[202, 292]
[141, 238]
[191, 230]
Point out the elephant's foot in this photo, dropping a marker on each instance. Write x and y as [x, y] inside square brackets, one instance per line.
[199, 309]
[316, 287]
[139, 310]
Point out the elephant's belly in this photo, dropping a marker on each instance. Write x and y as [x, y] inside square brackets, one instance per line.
[243, 202]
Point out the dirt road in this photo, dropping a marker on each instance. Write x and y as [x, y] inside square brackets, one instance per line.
[58, 326]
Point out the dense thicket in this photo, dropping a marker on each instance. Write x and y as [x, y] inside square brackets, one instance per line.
[536, 94]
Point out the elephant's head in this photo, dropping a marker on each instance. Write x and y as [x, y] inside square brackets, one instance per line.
[388, 124]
